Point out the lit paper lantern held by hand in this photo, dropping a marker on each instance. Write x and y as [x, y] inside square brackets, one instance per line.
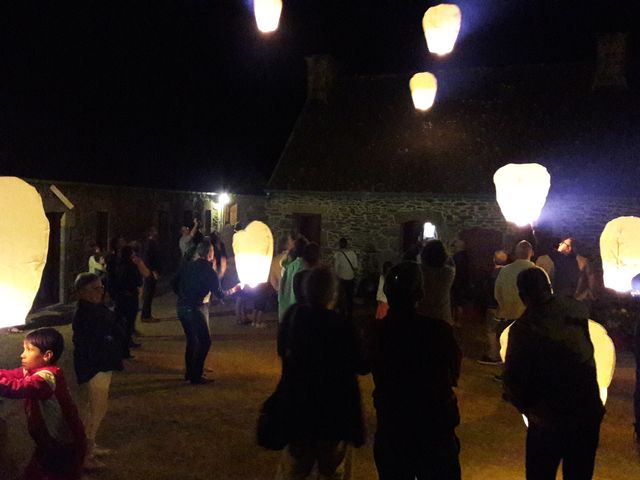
[620, 252]
[521, 191]
[253, 249]
[423, 90]
[441, 25]
[24, 240]
[604, 354]
[267, 13]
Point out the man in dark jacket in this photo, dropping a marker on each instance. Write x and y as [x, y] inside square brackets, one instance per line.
[415, 362]
[98, 340]
[550, 376]
[192, 283]
[152, 259]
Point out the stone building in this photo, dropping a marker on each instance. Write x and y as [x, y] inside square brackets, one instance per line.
[363, 164]
[84, 215]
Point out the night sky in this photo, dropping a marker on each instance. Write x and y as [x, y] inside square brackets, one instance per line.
[189, 95]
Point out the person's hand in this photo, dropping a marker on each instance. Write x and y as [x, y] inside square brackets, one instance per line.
[156, 275]
[136, 259]
[195, 222]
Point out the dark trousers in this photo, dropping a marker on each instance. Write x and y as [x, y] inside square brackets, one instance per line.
[198, 341]
[425, 457]
[575, 446]
[148, 292]
[636, 394]
[345, 298]
[126, 311]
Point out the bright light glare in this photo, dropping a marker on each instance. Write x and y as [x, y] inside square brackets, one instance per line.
[429, 230]
[24, 237]
[253, 249]
[521, 191]
[223, 199]
[423, 90]
[620, 252]
[267, 13]
[441, 25]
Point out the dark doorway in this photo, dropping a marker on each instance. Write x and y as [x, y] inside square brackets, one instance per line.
[411, 234]
[309, 225]
[49, 292]
[480, 244]
[187, 218]
[207, 222]
[102, 230]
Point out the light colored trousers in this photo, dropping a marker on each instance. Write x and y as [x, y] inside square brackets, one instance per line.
[97, 401]
[333, 460]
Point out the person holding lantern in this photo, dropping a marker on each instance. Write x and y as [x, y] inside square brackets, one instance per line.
[193, 282]
[550, 377]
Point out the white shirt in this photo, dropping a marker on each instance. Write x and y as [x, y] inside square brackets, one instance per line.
[510, 306]
[344, 271]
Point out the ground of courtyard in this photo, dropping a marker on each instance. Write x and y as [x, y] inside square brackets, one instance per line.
[161, 427]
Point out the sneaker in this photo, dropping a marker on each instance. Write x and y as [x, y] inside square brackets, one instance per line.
[498, 378]
[486, 360]
[202, 381]
[92, 463]
[101, 452]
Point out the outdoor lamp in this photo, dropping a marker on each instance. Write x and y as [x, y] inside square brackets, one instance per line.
[620, 252]
[604, 354]
[24, 240]
[423, 90]
[267, 13]
[521, 191]
[253, 249]
[441, 25]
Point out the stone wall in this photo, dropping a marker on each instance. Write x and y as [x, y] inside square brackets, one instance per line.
[123, 211]
[373, 221]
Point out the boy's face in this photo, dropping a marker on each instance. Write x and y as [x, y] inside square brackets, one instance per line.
[32, 357]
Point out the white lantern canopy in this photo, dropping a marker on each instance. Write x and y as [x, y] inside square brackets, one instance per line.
[267, 13]
[620, 252]
[521, 191]
[604, 355]
[24, 240]
[253, 248]
[423, 90]
[441, 25]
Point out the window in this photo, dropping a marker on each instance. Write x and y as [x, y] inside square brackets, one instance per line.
[309, 225]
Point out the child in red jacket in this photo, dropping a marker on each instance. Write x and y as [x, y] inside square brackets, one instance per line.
[52, 417]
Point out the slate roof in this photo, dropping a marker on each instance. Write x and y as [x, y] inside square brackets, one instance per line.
[368, 137]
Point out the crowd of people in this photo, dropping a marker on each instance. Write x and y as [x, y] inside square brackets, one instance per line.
[409, 347]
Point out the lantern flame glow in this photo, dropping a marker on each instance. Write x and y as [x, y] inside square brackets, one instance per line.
[24, 236]
[604, 355]
[620, 252]
[441, 25]
[521, 191]
[267, 13]
[253, 249]
[423, 90]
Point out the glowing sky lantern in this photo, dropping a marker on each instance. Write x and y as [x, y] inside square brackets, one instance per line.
[267, 13]
[441, 25]
[521, 191]
[423, 90]
[24, 242]
[620, 252]
[604, 354]
[253, 249]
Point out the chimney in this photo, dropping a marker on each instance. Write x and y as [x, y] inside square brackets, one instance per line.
[322, 72]
[611, 64]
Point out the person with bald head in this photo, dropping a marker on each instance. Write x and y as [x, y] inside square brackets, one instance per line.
[550, 376]
[510, 306]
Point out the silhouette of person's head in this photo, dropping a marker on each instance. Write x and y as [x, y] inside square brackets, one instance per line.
[433, 254]
[321, 288]
[403, 285]
[533, 286]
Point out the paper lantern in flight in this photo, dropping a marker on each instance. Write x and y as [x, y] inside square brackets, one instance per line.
[521, 191]
[604, 354]
[441, 25]
[423, 90]
[620, 252]
[267, 13]
[253, 248]
[24, 240]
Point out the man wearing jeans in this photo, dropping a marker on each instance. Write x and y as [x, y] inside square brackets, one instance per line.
[193, 282]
